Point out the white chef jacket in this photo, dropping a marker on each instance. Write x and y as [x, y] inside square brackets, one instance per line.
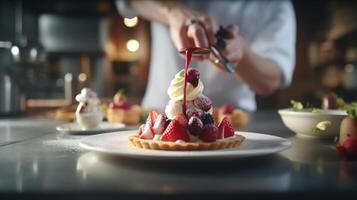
[268, 27]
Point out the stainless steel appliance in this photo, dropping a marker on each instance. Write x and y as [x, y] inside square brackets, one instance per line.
[12, 97]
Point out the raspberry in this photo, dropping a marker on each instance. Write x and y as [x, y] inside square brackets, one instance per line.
[192, 113]
[202, 102]
[350, 146]
[193, 77]
[209, 133]
[227, 109]
[207, 118]
[195, 125]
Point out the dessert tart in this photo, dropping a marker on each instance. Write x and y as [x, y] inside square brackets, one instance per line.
[188, 123]
[120, 110]
[238, 117]
[66, 113]
[161, 145]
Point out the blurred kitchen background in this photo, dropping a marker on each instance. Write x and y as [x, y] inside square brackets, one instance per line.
[51, 49]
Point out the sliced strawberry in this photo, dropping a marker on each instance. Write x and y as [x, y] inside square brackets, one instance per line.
[175, 132]
[209, 133]
[140, 131]
[147, 133]
[160, 124]
[152, 118]
[225, 128]
[181, 118]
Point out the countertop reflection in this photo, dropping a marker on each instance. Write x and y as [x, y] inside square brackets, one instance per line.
[37, 159]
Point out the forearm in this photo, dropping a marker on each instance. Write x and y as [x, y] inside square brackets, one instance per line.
[153, 10]
[261, 74]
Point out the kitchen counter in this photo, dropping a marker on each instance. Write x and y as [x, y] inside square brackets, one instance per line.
[36, 161]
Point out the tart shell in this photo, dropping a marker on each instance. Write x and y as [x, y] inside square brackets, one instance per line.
[172, 146]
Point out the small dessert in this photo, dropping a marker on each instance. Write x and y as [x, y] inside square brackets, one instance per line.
[88, 113]
[188, 123]
[237, 117]
[66, 113]
[120, 110]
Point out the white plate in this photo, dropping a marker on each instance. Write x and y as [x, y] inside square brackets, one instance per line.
[74, 128]
[117, 144]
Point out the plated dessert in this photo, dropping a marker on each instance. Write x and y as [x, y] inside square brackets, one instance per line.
[238, 117]
[120, 110]
[188, 123]
[88, 113]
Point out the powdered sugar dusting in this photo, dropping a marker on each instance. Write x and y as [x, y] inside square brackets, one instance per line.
[67, 145]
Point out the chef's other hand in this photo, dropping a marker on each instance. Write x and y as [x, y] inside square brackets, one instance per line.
[235, 46]
[189, 28]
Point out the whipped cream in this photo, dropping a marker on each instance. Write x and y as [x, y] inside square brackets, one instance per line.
[176, 89]
[87, 96]
[180, 141]
[173, 108]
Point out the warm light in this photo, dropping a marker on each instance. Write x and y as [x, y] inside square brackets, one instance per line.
[15, 50]
[132, 45]
[131, 22]
[82, 77]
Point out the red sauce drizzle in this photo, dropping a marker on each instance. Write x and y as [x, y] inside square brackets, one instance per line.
[187, 65]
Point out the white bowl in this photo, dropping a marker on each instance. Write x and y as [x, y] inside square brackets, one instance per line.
[303, 123]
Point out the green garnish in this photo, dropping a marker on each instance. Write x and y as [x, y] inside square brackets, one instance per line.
[321, 126]
[316, 110]
[352, 112]
[340, 103]
[296, 105]
[143, 116]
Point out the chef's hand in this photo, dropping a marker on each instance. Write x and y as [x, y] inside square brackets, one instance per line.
[235, 46]
[185, 34]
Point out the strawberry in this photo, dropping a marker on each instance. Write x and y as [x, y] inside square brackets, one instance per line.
[227, 109]
[175, 132]
[181, 118]
[140, 131]
[225, 128]
[152, 118]
[147, 132]
[209, 133]
[160, 124]
[202, 102]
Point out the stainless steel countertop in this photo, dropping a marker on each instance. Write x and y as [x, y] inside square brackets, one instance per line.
[35, 159]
